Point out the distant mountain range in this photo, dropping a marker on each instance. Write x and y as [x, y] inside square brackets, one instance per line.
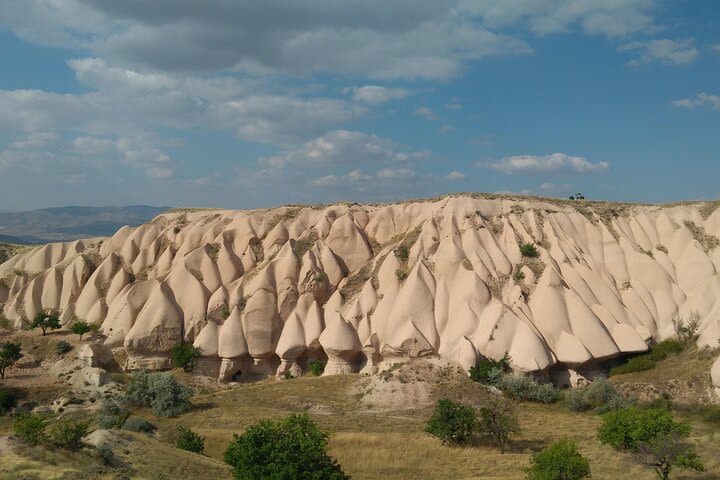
[70, 223]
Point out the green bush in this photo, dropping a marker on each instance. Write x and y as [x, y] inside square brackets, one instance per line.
[316, 368]
[30, 428]
[111, 414]
[600, 396]
[529, 250]
[139, 424]
[624, 429]
[647, 361]
[489, 371]
[521, 387]
[81, 328]
[166, 396]
[8, 401]
[189, 440]
[291, 449]
[185, 356]
[402, 253]
[559, 461]
[68, 433]
[452, 422]
[63, 347]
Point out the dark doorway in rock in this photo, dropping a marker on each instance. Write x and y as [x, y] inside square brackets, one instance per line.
[236, 376]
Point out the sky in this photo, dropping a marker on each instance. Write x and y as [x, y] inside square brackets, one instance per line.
[246, 104]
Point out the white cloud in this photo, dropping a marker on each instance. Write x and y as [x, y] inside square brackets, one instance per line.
[453, 106]
[375, 39]
[35, 140]
[555, 163]
[615, 18]
[455, 175]
[445, 129]
[670, 52]
[342, 147]
[375, 94]
[701, 99]
[425, 112]
[716, 48]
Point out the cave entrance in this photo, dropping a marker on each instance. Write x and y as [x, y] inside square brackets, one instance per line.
[237, 376]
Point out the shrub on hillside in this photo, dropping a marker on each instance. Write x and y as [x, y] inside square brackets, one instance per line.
[68, 433]
[189, 440]
[161, 391]
[111, 414]
[62, 347]
[291, 449]
[80, 328]
[8, 401]
[600, 396]
[452, 422]
[139, 424]
[185, 356]
[529, 250]
[106, 453]
[489, 371]
[559, 461]
[30, 428]
[10, 353]
[521, 387]
[647, 361]
[686, 328]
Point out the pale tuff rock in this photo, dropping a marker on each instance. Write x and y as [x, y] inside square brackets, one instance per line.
[266, 292]
[715, 375]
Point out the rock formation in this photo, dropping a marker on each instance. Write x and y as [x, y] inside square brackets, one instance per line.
[265, 292]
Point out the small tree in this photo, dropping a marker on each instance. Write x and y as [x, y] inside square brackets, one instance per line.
[499, 419]
[185, 356]
[292, 449]
[626, 428]
[452, 422]
[49, 320]
[559, 461]
[10, 353]
[81, 328]
[666, 451]
[30, 428]
[189, 440]
[529, 250]
[8, 401]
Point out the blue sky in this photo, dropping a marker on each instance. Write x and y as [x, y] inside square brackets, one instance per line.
[244, 104]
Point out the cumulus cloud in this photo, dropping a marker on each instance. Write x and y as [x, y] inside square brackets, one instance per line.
[613, 19]
[342, 147]
[555, 163]
[669, 52]
[357, 178]
[375, 94]
[455, 175]
[700, 100]
[425, 112]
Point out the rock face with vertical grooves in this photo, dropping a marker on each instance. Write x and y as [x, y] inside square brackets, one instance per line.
[265, 292]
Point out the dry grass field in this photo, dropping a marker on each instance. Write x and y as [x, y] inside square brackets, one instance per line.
[370, 442]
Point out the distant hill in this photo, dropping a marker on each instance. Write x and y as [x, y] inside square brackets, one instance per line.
[70, 223]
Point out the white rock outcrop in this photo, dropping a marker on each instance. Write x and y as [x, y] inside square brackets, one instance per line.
[266, 292]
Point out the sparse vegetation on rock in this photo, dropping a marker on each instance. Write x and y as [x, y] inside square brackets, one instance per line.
[489, 371]
[316, 368]
[529, 250]
[647, 361]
